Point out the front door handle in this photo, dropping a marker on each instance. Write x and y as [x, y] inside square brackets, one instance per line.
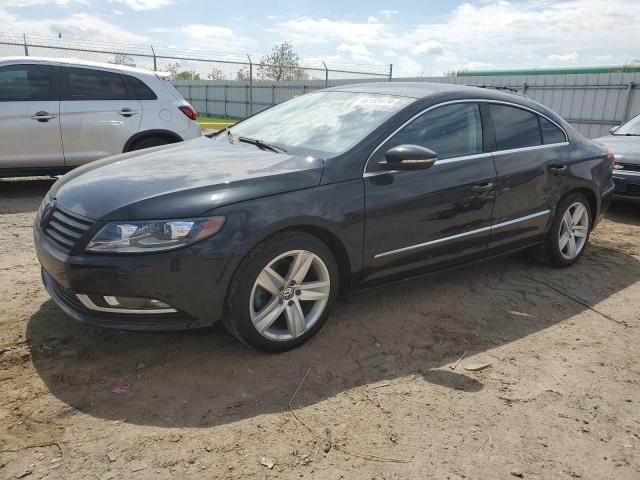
[557, 167]
[127, 112]
[483, 187]
[43, 116]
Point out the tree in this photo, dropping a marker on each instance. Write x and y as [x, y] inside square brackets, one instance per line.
[242, 74]
[282, 64]
[216, 74]
[122, 59]
[175, 74]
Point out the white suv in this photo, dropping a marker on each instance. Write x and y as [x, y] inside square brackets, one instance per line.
[57, 114]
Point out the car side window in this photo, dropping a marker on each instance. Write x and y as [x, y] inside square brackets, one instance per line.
[450, 131]
[514, 127]
[550, 132]
[88, 84]
[26, 83]
[141, 90]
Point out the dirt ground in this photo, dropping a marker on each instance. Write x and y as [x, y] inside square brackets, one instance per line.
[381, 400]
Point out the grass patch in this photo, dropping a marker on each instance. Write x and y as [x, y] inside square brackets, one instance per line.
[205, 119]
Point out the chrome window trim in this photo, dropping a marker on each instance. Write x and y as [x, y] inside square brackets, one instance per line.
[87, 302]
[630, 173]
[464, 234]
[365, 173]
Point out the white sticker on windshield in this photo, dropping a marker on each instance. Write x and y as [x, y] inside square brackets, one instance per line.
[376, 101]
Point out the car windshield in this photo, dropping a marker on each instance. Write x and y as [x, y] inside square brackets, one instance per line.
[632, 127]
[326, 122]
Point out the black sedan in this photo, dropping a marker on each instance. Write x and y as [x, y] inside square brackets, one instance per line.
[624, 143]
[263, 224]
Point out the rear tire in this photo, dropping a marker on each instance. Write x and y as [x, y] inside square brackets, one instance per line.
[568, 236]
[149, 142]
[282, 293]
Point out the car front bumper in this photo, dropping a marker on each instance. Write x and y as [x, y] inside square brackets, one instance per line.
[195, 287]
[627, 186]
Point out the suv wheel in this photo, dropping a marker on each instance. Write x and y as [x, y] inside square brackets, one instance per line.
[569, 233]
[282, 293]
[149, 142]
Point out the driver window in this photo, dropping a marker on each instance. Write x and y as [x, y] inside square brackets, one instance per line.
[451, 131]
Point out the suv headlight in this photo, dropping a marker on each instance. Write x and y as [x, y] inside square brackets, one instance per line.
[152, 235]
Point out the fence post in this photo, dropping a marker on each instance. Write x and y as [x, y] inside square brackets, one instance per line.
[524, 88]
[273, 94]
[225, 100]
[206, 99]
[26, 47]
[391, 72]
[155, 64]
[250, 86]
[627, 105]
[326, 75]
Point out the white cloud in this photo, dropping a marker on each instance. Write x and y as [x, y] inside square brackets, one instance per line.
[76, 26]
[428, 47]
[310, 30]
[357, 49]
[387, 13]
[208, 32]
[139, 5]
[571, 57]
[30, 3]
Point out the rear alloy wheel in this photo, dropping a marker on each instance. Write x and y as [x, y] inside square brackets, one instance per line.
[569, 234]
[282, 292]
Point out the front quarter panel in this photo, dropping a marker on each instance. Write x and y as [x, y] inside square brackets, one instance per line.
[337, 209]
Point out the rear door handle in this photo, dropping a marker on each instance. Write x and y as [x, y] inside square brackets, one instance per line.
[43, 116]
[557, 167]
[483, 187]
[127, 112]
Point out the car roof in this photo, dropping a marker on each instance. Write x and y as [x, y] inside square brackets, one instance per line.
[422, 89]
[81, 63]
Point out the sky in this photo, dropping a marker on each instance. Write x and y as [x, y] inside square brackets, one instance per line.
[418, 37]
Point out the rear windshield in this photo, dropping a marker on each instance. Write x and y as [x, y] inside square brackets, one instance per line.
[167, 83]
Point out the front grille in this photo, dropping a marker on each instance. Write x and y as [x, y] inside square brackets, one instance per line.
[65, 228]
[629, 167]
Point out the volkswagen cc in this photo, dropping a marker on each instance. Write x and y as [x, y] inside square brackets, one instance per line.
[260, 226]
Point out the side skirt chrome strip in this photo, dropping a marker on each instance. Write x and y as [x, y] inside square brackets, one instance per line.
[465, 234]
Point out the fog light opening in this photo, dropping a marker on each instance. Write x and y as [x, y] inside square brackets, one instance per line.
[132, 305]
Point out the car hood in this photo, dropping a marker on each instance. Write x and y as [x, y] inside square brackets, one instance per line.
[182, 180]
[626, 149]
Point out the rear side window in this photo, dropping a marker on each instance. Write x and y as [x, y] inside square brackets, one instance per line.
[450, 131]
[550, 132]
[141, 90]
[514, 127]
[87, 84]
[26, 83]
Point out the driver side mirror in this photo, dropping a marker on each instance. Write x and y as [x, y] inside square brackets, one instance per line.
[613, 129]
[409, 157]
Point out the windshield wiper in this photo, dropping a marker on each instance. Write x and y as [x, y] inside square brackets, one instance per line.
[261, 144]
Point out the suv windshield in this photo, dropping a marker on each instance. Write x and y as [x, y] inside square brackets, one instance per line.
[326, 122]
[632, 127]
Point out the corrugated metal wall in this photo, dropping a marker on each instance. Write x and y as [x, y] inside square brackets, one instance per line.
[592, 103]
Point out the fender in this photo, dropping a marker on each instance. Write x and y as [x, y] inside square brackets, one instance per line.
[151, 133]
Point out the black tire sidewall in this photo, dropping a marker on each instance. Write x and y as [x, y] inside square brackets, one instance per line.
[553, 245]
[149, 143]
[238, 319]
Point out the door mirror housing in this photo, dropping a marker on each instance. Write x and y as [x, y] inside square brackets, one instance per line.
[409, 157]
[613, 129]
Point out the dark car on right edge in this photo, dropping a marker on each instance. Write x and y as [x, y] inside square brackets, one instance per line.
[624, 143]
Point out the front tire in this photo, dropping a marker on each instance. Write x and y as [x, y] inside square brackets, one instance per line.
[569, 234]
[282, 292]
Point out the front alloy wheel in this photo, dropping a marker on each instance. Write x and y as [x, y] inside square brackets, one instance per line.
[289, 295]
[282, 292]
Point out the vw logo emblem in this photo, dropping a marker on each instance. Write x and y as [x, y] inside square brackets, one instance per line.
[287, 293]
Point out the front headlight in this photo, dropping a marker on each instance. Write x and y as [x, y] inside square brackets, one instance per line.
[152, 235]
